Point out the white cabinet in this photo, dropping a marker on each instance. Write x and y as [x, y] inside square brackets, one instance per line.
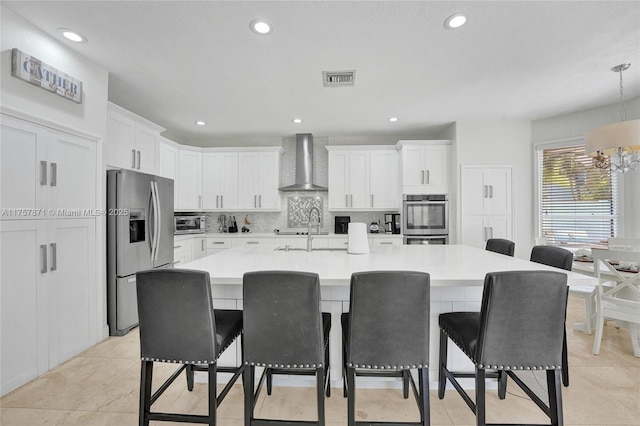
[486, 204]
[199, 247]
[252, 241]
[363, 178]
[258, 177]
[425, 167]
[189, 182]
[48, 295]
[182, 250]
[45, 172]
[384, 179]
[220, 180]
[385, 240]
[132, 142]
[168, 160]
[216, 244]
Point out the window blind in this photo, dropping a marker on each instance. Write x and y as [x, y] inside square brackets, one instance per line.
[578, 202]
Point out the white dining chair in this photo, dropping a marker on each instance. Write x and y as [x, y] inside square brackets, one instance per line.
[617, 294]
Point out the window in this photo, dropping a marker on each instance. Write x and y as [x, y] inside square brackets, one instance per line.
[578, 203]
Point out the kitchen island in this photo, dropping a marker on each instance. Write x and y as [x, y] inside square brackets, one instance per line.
[457, 276]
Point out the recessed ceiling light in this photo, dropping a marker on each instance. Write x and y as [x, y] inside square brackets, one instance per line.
[261, 27]
[297, 120]
[72, 35]
[392, 119]
[455, 21]
[201, 123]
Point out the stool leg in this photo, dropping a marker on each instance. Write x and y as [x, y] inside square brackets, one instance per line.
[502, 384]
[189, 372]
[213, 405]
[327, 370]
[351, 397]
[554, 390]
[320, 375]
[442, 380]
[405, 383]
[269, 381]
[481, 414]
[146, 375]
[425, 409]
[248, 380]
[565, 361]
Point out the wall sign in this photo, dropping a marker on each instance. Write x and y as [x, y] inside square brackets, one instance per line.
[34, 71]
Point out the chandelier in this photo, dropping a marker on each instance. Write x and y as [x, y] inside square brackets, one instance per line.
[616, 146]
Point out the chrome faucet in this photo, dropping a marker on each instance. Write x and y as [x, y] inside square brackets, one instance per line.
[309, 223]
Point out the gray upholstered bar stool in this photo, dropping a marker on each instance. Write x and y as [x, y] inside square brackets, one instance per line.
[500, 245]
[519, 327]
[563, 259]
[388, 333]
[179, 325]
[286, 333]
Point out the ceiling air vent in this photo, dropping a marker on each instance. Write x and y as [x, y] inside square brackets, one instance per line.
[338, 78]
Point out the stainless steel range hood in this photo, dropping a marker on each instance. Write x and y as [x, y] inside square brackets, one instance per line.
[304, 165]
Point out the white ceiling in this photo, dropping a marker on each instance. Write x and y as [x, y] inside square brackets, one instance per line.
[175, 62]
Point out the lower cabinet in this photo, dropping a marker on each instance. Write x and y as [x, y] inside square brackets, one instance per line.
[476, 230]
[182, 250]
[48, 308]
[199, 247]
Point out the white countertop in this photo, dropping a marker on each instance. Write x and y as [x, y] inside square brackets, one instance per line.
[448, 265]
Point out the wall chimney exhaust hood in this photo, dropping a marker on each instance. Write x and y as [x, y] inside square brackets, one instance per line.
[304, 165]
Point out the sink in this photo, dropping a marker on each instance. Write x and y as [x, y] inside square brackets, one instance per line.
[315, 249]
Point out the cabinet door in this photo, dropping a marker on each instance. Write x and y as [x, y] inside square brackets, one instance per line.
[498, 181]
[474, 232]
[359, 189]
[120, 144]
[199, 248]
[473, 191]
[499, 227]
[24, 177]
[168, 161]
[248, 164]
[268, 179]
[189, 180]
[23, 313]
[338, 180]
[73, 174]
[146, 144]
[413, 164]
[436, 168]
[72, 306]
[384, 180]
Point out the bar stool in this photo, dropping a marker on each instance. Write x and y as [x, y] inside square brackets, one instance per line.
[563, 259]
[519, 327]
[388, 333]
[286, 333]
[502, 246]
[179, 325]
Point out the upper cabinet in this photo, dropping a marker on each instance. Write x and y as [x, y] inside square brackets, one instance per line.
[189, 180]
[220, 180]
[425, 166]
[43, 170]
[363, 178]
[168, 159]
[132, 142]
[258, 178]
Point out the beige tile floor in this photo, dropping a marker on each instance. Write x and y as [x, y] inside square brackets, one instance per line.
[100, 387]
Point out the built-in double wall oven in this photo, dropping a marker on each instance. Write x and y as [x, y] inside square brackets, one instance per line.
[425, 218]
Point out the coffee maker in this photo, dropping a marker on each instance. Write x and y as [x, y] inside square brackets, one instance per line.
[392, 223]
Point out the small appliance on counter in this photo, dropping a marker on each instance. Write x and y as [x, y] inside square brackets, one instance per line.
[342, 224]
[189, 224]
[233, 226]
[392, 223]
[374, 228]
[357, 242]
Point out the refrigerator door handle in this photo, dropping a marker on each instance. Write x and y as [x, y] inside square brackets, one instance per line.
[153, 228]
[158, 220]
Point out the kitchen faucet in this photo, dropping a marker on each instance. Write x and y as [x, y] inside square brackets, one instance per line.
[309, 223]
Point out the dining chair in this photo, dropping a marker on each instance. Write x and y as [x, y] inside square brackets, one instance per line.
[285, 332]
[620, 300]
[502, 246]
[503, 337]
[178, 325]
[388, 334]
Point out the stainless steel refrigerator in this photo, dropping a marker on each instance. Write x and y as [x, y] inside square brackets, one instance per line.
[139, 237]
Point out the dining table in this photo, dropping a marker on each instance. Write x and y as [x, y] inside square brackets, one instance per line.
[457, 274]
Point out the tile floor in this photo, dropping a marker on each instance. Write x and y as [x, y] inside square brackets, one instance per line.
[100, 387]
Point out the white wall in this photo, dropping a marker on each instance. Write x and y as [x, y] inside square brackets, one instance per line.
[576, 125]
[89, 118]
[493, 143]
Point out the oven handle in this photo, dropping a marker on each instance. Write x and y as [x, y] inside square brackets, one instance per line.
[424, 202]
